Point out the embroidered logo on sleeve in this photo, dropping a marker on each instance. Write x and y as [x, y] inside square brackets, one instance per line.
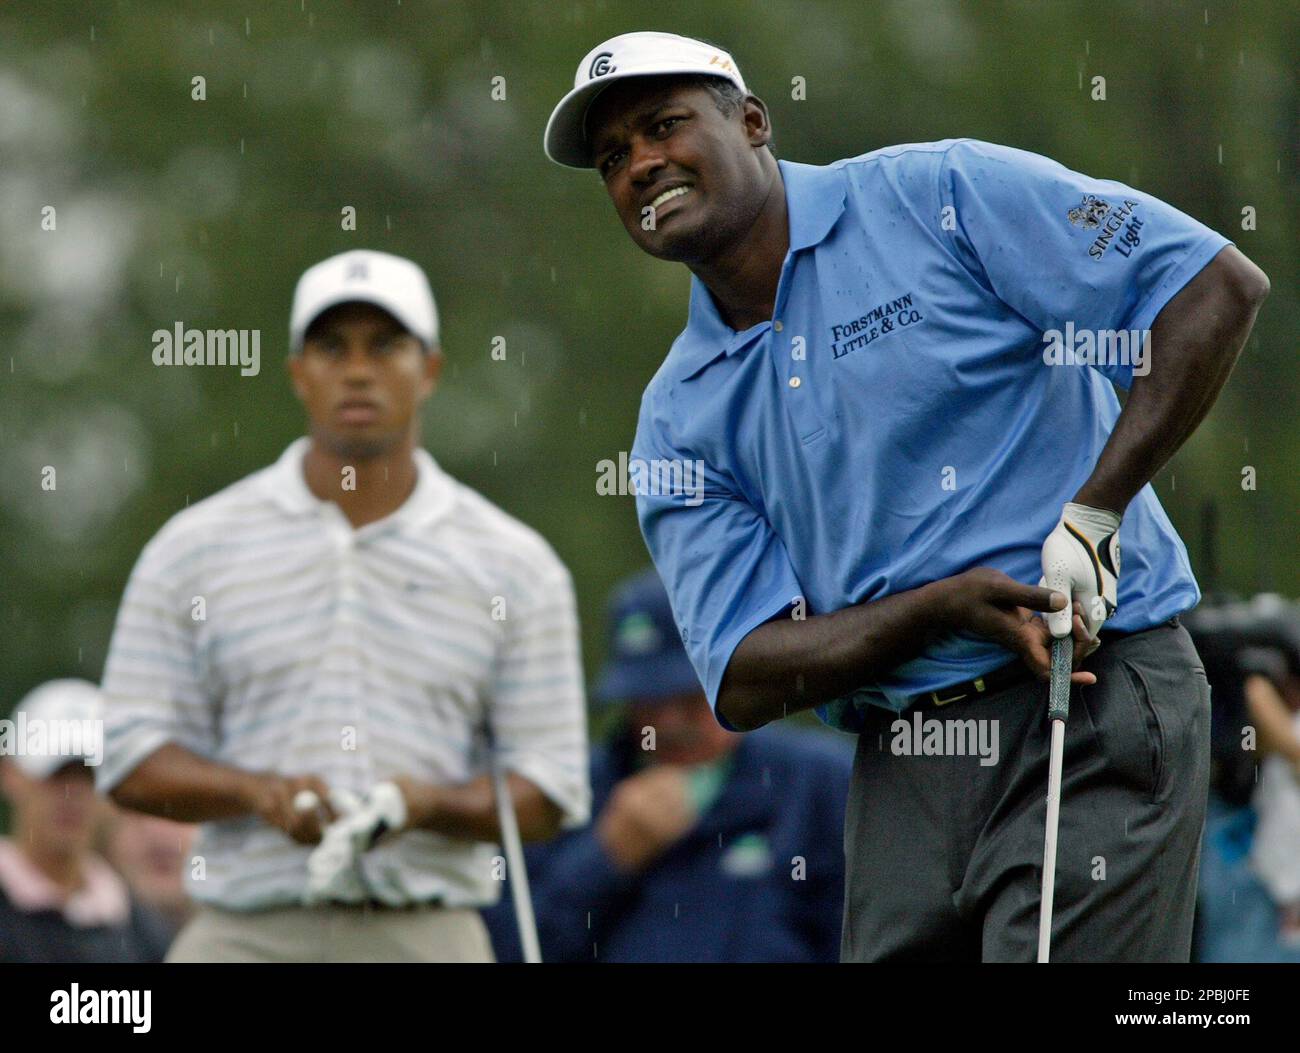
[1093, 213]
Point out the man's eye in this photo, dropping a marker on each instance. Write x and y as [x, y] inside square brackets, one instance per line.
[610, 161]
[666, 124]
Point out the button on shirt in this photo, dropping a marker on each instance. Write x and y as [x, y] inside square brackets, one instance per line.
[261, 630]
[907, 414]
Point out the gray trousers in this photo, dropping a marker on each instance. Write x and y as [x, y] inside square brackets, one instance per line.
[944, 854]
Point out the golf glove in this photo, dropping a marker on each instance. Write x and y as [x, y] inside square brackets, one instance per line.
[1081, 561]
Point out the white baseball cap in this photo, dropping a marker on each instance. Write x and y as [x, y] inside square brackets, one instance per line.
[71, 715]
[391, 282]
[629, 55]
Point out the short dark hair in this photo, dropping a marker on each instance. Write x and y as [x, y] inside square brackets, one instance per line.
[727, 97]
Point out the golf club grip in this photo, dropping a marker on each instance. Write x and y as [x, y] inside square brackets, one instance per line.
[1058, 699]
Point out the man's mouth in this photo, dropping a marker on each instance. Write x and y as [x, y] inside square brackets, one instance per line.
[358, 412]
[668, 195]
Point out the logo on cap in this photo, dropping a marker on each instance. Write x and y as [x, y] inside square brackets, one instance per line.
[601, 65]
[358, 271]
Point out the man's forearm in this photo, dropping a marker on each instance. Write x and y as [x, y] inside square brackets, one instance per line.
[176, 784]
[1269, 713]
[1195, 343]
[786, 666]
[469, 811]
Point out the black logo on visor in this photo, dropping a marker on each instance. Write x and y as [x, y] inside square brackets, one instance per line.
[601, 65]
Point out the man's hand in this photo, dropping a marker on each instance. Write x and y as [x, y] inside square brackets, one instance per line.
[988, 603]
[273, 799]
[646, 814]
[1081, 560]
[332, 866]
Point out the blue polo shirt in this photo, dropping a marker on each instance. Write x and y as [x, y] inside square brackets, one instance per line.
[907, 414]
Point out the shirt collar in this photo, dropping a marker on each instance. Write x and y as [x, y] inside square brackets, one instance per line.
[814, 202]
[432, 497]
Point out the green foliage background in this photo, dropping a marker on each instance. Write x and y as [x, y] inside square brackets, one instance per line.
[170, 209]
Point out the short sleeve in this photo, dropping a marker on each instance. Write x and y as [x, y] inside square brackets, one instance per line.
[538, 704]
[725, 569]
[152, 689]
[1059, 247]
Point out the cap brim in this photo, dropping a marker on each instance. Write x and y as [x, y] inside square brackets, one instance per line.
[375, 299]
[565, 140]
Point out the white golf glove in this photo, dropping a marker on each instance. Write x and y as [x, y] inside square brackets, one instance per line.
[332, 871]
[1081, 561]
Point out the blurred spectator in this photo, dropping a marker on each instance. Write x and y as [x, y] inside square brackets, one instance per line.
[1250, 866]
[59, 901]
[707, 846]
[151, 854]
[1275, 853]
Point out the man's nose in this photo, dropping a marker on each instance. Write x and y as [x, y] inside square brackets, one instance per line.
[357, 361]
[647, 158]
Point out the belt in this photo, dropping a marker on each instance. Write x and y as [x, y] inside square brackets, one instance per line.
[1015, 672]
[374, 904]
[1007, 675]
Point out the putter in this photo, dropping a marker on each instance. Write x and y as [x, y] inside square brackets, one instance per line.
[514, 849]
[1058, 709]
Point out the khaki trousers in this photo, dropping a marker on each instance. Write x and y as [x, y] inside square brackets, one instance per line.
[333, 934]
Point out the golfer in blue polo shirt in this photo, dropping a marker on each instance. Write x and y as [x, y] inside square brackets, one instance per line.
[888, 426]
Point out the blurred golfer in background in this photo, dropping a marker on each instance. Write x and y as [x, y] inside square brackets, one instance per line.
[312, 655]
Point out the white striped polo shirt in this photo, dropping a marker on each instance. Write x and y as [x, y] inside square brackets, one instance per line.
[261, 630]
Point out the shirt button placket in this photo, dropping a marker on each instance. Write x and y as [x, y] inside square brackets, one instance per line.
[347, 630]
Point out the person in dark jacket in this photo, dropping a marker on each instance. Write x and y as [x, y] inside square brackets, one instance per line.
[706, 845]
[59, 901]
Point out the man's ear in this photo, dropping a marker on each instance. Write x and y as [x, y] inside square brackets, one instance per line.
[757, 122]
[432, 370]
[294, 365]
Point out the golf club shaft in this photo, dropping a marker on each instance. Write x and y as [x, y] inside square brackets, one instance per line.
[514, 849]
[1058, 710]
